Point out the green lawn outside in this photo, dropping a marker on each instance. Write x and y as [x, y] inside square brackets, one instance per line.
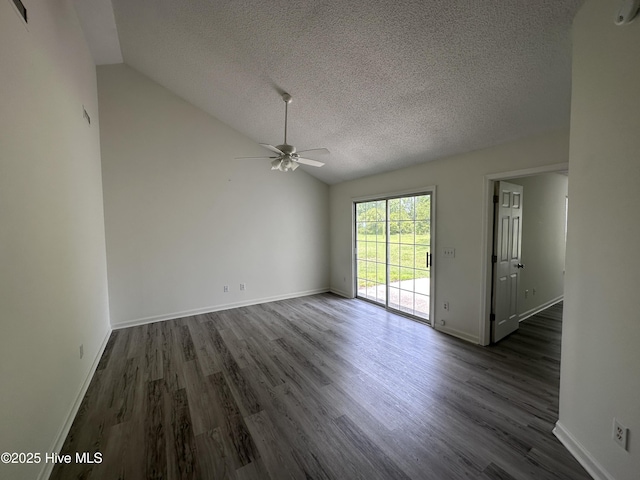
[406, 261]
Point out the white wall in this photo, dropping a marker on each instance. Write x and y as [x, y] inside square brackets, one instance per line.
[183, 218]
[600, 376]
[460, 182]
[53, 279]
[543, 241]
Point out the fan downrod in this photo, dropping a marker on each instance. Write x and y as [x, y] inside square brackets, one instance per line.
[287, 100]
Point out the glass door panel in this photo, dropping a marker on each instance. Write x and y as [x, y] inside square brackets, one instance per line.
[422, 272]
[393, 257]
[371, 268]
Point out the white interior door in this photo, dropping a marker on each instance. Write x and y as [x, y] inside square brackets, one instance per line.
[507, 259]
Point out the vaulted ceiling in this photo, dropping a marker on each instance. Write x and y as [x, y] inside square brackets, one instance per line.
[382, 84]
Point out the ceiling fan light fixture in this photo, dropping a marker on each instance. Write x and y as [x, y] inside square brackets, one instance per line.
[288, 158]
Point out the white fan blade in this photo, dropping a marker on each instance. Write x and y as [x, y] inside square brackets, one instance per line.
[316, 151]
[306, 161]
[272, 148]
[261, 158]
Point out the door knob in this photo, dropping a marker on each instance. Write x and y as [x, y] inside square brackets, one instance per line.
[520, 265]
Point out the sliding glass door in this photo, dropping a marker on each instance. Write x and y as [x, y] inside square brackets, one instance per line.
[393, 253]
[371, 250]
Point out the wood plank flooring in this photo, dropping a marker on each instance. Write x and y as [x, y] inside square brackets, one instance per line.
[321, 387]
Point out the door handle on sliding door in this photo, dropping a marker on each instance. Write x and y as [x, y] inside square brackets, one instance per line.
[428, 258]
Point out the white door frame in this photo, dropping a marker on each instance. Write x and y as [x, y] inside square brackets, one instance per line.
[400, 193]
[487, 237]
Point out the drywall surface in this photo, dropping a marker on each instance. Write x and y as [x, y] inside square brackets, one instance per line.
[601, 331]
[459, 221]
[383, 84]
[183, 218]
[543, 241]
[53, 278]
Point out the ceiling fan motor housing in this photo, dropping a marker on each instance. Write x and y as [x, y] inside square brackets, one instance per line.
[286, 149]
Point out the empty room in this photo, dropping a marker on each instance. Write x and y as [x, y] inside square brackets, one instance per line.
[329, 240]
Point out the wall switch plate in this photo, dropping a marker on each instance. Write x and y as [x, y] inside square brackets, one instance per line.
[243, 286]
[226, 288]
[449, 252]
[620, 433]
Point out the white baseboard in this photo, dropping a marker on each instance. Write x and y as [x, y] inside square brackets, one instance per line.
[341, 293]
[449, 331]
[539, 308]
[458, 333]
[215, 308]
[66, 426]
[581, 454]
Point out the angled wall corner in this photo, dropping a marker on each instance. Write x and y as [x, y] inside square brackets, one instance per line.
[183, 218]
[601, 330]
[53, 276]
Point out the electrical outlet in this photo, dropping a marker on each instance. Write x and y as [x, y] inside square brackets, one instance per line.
[445, 305]
[534, 292]
[81, 350]
[226, 289]
[442, 322]
[449, 252]
[243, 286]
[620, 433]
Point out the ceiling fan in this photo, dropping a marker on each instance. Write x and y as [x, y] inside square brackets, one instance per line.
[287, 157]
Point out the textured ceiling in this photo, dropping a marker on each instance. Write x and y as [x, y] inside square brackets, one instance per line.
[382, 84]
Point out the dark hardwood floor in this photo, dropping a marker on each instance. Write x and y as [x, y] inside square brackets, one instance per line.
[321, 387]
